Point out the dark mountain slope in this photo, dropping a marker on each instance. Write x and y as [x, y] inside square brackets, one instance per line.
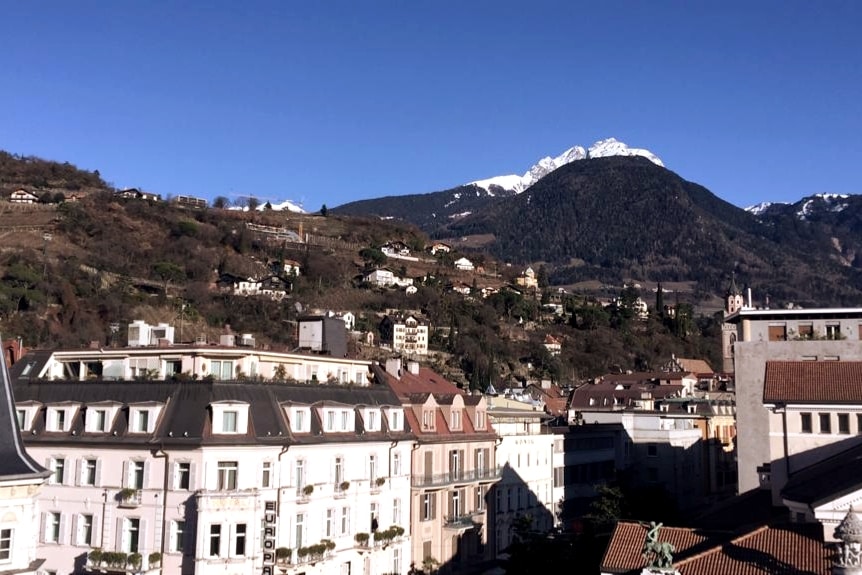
[612, 218]
[432, 211]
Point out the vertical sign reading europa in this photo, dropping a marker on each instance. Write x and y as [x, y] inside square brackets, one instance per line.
[269, 520]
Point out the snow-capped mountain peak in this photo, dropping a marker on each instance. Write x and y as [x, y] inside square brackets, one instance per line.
[601, 149]
[284, 206]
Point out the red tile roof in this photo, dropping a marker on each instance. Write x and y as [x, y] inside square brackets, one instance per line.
[623, 554]
[813, 382]
[787, 550]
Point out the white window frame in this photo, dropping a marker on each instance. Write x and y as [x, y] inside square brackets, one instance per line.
[227, 478]
[7, 539]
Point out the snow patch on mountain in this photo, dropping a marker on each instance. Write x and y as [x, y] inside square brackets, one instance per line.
[759, 209]
[601, 149]
[833, 203]
[284, 206]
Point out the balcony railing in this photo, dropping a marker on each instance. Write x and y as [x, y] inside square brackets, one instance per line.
[460, 521]
[455, 477]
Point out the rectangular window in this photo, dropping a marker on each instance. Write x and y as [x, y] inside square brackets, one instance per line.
[778, 332]
[299, 530]
[85, 530]
[652, 450]
[5, 544]
[479, 503]
[215, 540]
[396, 464]
[239, 540]
[395, 420]
[227, 471]
[429, 504]
[330, 420]
[131, 537]
[806, 331]
[299, 474]
[52, 528]
[266, 474]
[844, 423]
[345, 418]
[372, 421]
[480, 420]
[143, 421]
[184, 472]
[228, 423]
[58, 469]
[825, 423]
[338, 471]
[859, 423]
[136, 474]
[372, 467]
[396, 512]
[805, 422]
[299, 420]
[456, 419]
[396, 560]
[329, 528]
[61, 420]
[345, 520]
[178, 536]
[89, 472]
[22, 417]
[221, 370]
[100, 420]
[833, 331]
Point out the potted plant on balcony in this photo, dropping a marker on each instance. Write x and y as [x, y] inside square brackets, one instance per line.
[134, 559]
[282, 554]
[154, 559]
[429, 564]
[95, 557]
[308, 490]
[127, 495]
[328, 544]
[344, 485]
[380, 481]
[361, 539]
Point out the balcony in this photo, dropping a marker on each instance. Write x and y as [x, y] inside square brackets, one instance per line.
[457, 477]
[129, 498]
[459, 521]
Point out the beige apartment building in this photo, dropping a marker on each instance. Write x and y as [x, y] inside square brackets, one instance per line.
[454, 467]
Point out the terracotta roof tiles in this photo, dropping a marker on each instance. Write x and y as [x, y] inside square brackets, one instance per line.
[813, 382]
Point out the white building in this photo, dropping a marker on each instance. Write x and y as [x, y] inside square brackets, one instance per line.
[184, 475]
[200, 361]
[21, 479]
[386, 278]
[525, 454]
[406, 334]
[464, 265]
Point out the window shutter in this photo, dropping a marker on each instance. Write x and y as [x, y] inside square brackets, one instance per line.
[77, 526]
[124, 481]
[145, 484]
[63, 520]
[98, 473]
[433, 506]
[451, 506]
[97, 530]
[174, 475]
[143, 538]
[487, 458]
[121, 536]
[79, 471]
[192, 477]
[475, 459]
[44, 527]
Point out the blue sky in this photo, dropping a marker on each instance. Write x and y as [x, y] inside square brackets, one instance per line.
[331, 101]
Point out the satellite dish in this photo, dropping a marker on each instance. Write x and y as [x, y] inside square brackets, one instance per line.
[298, 307]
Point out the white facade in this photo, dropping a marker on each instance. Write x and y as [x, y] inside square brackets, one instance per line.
[525, 454]
[464, 264]
[200, 362]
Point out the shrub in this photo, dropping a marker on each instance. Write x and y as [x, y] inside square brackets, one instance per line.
[308, 490]
[283, 553]
[328, 544]
[344, 486]
[361, 538]
[95, 557]
[134, 559]
[154, 558]
[380, 481]
[127, 493]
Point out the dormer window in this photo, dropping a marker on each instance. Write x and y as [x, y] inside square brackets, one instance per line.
[345, 421]
[456, 419]
[372, 421]
[330, 420]
[59, 418]
[99, 418]
[299, 420]
[21, 414]
[480, 420]
[142, 421]
[396, 420]
[427, 419]
[230, 417]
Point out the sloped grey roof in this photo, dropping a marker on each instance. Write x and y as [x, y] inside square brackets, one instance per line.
[15, 463]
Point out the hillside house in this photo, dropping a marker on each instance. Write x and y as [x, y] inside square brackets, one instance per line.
[395, 249]
[404, 333]
[291, 268]
[137, 194]
[384, 277]
[553, 345]
[23, 197]
[440, 248]
[528, 279]
[464, 265]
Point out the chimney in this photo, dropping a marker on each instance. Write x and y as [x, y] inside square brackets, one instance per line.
[393, 367]
[413, 367]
